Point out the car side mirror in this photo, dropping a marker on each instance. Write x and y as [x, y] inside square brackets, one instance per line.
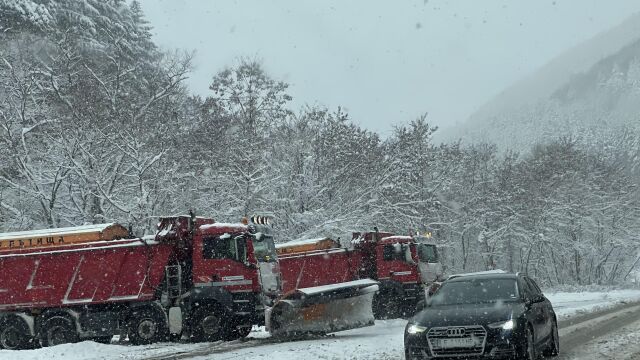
[534, 299]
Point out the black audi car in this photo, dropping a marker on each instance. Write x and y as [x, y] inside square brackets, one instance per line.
[489, 315]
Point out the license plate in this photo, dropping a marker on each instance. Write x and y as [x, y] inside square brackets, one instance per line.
[454, 343]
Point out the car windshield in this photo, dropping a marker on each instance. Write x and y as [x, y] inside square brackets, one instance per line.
[264, 247]
[427, 253]
[475, 291]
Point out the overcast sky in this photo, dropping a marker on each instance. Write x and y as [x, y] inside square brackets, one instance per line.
[385, 62]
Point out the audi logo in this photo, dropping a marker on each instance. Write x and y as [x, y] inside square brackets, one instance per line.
[451, 332]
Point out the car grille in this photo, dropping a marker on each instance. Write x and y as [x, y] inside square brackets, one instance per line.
[436, 335]
[417, 353]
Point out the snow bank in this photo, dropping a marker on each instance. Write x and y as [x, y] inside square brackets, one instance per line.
[571, 303]
[83, 350]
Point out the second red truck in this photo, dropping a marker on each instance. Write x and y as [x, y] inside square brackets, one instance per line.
[405, 267]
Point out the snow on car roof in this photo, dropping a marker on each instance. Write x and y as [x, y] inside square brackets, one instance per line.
[487, 272]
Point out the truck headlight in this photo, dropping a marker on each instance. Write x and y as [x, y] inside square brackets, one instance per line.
[416, 329]
[504, 325]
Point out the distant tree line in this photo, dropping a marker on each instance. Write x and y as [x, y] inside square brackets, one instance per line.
[96, 125]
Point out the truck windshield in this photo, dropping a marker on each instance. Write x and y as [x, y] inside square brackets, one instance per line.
[427, 253]
[264, 247]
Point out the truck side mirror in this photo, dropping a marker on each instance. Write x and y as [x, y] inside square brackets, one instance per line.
[406, 250]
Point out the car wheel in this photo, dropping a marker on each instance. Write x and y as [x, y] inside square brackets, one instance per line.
[58, 330]
[553, 349]
[529, 348]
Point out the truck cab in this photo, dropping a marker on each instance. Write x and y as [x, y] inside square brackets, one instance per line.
[231, 274]
[404, 265]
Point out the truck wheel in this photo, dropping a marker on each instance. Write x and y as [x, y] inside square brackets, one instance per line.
[146, 326]
[234, 332]
[58, 330]
[14, 334]
[384, 307]
[210, 323]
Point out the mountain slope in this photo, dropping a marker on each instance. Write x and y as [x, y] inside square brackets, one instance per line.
[591, 88]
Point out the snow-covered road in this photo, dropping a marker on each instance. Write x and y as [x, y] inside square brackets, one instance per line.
[382, 341]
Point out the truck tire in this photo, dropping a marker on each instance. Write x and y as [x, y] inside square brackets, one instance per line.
[385, 306]
[234, 332]
[146, 326]
[14, 334]
[58, 330]
[210, 323]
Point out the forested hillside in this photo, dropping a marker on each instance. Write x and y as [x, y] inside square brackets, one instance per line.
[592, 105]
[96, 125]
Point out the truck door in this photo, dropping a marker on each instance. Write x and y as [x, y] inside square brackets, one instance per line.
[397, 264]
[222, 262]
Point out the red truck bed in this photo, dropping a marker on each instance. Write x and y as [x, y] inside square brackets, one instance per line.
[318, 267]
[97, 272]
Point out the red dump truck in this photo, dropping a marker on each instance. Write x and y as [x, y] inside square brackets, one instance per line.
[404, 266]
[196, 277]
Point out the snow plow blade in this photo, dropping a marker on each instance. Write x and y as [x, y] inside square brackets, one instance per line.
[323, 309]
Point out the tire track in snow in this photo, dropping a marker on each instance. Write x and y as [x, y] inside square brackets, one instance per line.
[577, 332]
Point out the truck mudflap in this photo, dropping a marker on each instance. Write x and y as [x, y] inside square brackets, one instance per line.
[323, 309]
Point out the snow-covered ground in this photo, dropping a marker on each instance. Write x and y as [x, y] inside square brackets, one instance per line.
[623, 344]
[568, 304]
[382, 341]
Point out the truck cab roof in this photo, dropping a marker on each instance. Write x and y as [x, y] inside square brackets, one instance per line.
[394, 239]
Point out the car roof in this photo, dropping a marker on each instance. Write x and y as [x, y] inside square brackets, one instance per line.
[482, 276]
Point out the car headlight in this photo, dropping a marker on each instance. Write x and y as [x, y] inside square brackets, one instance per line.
[416, 329]
[504, 325]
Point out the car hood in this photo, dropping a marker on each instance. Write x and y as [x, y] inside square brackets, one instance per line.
[468, 314]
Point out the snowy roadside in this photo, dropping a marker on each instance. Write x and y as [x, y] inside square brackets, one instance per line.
[568, 304]
[382, 341]
[623, 344]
